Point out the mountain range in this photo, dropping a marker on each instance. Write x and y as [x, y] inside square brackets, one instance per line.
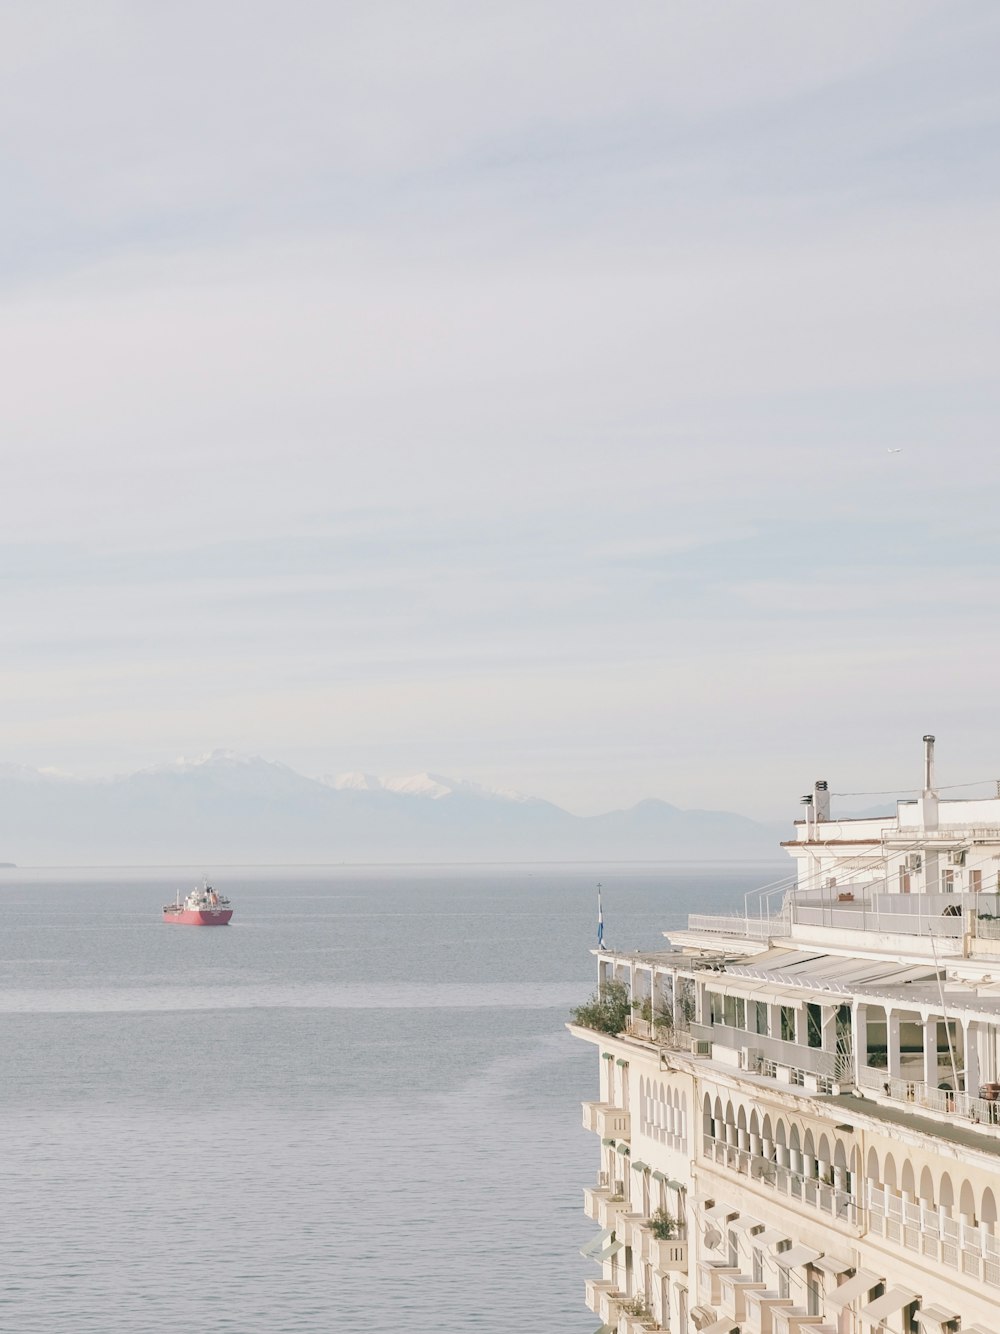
[226, 808]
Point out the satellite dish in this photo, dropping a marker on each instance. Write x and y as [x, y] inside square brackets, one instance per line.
[713, 1238]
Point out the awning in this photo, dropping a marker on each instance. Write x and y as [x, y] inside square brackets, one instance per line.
[595, 1243]
[863, 1281]
[744, 1223]
[769, 1237]
[798, 1255]
[932, 1319]
[623, 1148]
[720, 1212]
[610, 1140]
[659, 1176]
[723, 1326]
[676, 1185]
[621, 1061]
[611, 1249]
[893, 1300]
[640, 1167]
[832, 1264]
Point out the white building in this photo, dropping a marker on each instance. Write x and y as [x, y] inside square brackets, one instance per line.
[810, 1092]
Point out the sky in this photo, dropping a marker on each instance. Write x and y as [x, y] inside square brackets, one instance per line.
[596, 401]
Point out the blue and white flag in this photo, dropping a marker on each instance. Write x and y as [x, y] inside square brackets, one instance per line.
[600, 921]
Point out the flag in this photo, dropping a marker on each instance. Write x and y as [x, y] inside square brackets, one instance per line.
[600, 921]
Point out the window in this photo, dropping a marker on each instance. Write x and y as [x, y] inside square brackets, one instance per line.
[760, 1017]
[788, 1023]
[814, 1025]
[814, 1292]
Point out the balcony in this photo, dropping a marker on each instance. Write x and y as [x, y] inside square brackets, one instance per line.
[595, 1290]
[811, 1191]
[594, 1197]
[607, 1121]
[734, 1290]
[760, 1053]
[914, 1093]
[666, 1256]
[761, 1307]
[971, 1251]
[736, 924]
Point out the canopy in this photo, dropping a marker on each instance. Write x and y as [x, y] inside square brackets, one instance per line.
[720, 1212]
[932, 1319]
[612, 1249]
[832, 1264]
[769, 1237]
[892, 1301]
[863, 1281]
[595, 1243]
[798, 1255]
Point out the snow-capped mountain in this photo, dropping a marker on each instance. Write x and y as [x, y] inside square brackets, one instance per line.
[224, 807]
[433, 786]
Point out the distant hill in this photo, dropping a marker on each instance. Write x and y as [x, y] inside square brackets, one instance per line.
[228, 808]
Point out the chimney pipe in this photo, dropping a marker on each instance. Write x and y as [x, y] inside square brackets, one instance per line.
[821, 800]
[929, 766]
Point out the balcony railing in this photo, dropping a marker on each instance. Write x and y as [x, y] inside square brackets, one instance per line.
[607, 1121]
[759, 1048]
[675, 1036]
[970, 1249]
[917, 1094]
[737, 924]
[817, 1194]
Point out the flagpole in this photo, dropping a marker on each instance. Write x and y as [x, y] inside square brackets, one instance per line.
[600, 939]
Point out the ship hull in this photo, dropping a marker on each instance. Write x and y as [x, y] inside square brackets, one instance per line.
[199, 916]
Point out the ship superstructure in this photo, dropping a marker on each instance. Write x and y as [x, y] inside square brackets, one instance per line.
[800, 1124]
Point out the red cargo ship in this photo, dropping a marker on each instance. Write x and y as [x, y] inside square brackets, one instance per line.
[202, 907]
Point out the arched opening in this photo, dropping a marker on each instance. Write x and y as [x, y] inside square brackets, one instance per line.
[988, 1209]
[889, 1173]
[907, 1184]
[927, 1188]
[967, 1202]
[946, 1193]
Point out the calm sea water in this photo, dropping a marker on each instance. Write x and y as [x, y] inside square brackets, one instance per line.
[356, 1107]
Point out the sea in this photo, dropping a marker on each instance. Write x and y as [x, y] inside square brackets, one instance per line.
[357, 1107]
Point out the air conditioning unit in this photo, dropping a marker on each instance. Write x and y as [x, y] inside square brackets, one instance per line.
[701, 1047]
[914, 861]
[957, 858]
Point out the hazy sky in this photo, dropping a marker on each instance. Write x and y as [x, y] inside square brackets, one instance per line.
[504, 390]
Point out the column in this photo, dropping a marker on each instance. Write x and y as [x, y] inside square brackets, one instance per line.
[861, 1035]
[892, 1042]
[970, 1043]
[930, 1051]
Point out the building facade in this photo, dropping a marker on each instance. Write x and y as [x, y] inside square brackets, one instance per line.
[799, 1126]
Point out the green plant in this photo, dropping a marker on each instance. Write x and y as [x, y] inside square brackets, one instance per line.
[607, 1011]
[663, 1225]
[637, 1306]
[662, 1017]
